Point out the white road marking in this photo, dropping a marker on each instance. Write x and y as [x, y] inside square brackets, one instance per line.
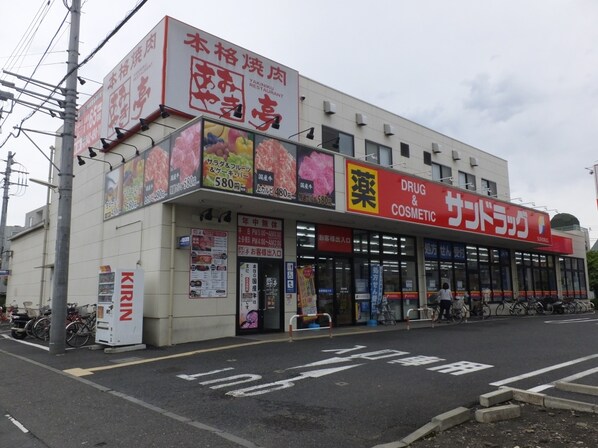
[233, 380]
[541, 388]
[541, 371]
[26, 343]
[341, 351]
[285, 384]
[17, 423]
[565, 380]
[460, 368]
[370, 356]
[197, 375]
[580, 320]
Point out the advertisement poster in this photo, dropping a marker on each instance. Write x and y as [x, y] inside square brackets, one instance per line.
[259, 237]
[275, 169]
[209, 264]
[248, 295]
[156, 173]
[228, 158]
[133, 184]
[315, 178]
[113, 193]
[306, 297]
[185, 155]
[393, 195]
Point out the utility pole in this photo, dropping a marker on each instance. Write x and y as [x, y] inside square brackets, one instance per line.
[9, 162]
[65, 191]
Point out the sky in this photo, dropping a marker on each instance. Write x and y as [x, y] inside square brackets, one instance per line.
[515, 78]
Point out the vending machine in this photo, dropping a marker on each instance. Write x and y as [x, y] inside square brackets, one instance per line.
[120, 307]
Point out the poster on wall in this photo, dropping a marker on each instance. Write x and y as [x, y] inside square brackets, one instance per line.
[208, 273]
[113, 198]
[248, 295]
[156, 173]
[275, 168]
[259, 237]
[306, 297]
[185, 155]
[315, 178]
[133, 184]
[227, 158]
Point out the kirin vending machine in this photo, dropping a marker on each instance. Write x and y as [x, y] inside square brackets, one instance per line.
[120, 307]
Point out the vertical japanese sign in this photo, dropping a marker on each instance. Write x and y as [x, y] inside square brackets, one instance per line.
[227, 158]
[185, 156]
[156, 173]
[113, 198]
[290, 277]
[375, 287]
[275, 168]
[222, 76]
[208, 275]
[259, 237]
[248, 295]
[133, 184]
[392, 195]
[89, 122]
[315, 178]
[133, 89]
[306, 297]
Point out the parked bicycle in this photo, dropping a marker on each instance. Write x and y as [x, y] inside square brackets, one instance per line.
[81, 330]
[479, 308]
[458, 311]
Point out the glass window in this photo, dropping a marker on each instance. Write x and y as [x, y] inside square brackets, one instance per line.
[379, 154]
[390, 245]
[306, 236]
[460, 278]
[432, 276]
[362, 276]
[442, 173]
[391, 276]
[337, 141]
[488, 188]
[408, 246]
[409, 275]
[360, 241]
[467, 181]
[375, 243]
[404, 150]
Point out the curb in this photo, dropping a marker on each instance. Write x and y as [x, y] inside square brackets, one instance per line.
[491, 413]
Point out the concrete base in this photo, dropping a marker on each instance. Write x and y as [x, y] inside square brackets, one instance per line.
[498, 413]
[452, 418]
[577, 388]
[496, 397]
[125, 348]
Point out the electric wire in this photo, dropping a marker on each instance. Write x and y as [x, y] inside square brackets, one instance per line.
[85, 61]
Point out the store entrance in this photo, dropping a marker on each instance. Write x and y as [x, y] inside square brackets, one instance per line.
[334, 287]
[259, 296]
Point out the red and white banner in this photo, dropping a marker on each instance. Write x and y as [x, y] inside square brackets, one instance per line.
[396, 196]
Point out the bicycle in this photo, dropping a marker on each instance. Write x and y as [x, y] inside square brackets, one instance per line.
[79, 331]
[458, 311]
[41, 328]
[510, 307]
[386, 316]
[480, 309]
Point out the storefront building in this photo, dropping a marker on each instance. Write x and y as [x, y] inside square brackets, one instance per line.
[249, 194]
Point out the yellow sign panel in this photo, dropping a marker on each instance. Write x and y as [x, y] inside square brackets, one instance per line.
[362, 188]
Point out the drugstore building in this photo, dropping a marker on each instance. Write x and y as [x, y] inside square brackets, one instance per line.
[249, 194]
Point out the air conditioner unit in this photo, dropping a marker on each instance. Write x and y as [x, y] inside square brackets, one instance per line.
[361, 119]
[329, 107]
[436, 149]
[473, 161]
[388, 129]
[456, 155]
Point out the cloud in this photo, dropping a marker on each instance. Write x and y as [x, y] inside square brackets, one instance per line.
[497, 100]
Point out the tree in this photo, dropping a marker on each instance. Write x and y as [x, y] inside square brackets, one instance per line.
[592, 257]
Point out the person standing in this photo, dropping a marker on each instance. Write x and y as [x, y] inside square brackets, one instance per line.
[445, 297]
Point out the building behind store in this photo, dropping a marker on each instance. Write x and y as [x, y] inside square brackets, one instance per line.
[310, 201]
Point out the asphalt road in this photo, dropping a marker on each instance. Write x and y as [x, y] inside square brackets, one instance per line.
[353, 390]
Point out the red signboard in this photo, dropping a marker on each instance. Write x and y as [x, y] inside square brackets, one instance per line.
[396, 196]
[560, 245]
[334, 239]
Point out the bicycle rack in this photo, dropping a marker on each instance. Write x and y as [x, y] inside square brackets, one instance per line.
[426, 309]
[329, 327]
